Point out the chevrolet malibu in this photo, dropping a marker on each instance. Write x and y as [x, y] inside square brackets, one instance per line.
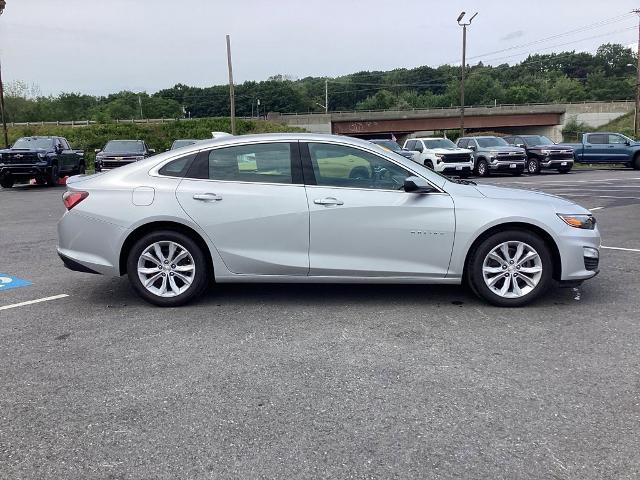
[317, 208]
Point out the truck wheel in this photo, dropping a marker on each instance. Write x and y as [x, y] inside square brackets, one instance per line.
[636, 162]
[533, 166]
[6, 182]
[52, 179]
[510, 268]
[482, 168]
[428, 164]
[82, 169]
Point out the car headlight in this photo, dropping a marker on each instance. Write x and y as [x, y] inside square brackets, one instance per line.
[545, 152]
[586, 222]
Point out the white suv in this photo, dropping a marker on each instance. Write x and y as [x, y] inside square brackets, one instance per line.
[441, 155]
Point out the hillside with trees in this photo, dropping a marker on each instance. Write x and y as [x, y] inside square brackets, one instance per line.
[609, 74]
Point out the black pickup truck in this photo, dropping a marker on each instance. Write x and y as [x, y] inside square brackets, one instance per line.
[45, 159]
[117, 153]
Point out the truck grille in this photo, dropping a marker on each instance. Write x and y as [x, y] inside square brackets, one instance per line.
[557, 155]
[19, 158]
[115, 164]
[456, 158]
[510, 156]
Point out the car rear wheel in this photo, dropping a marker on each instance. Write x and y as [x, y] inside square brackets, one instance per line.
[6, 181]
[483, 168]
[167, 268]
[533, 166]
[511, 268]
[636, 162]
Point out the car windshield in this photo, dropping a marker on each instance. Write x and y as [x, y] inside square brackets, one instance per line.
[488, 142]
[439, 143]
[124, 146]
[182, 143]
[33, 143]
[534, 140]
[388, 144]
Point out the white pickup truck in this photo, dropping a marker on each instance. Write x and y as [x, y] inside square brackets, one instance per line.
[441, 155]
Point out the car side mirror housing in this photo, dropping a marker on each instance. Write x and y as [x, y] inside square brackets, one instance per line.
[472, 147]
[415, 184]
[97, 150]
[152, 151]
[627, 143]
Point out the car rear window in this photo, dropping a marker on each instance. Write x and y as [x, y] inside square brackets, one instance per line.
[178, 167]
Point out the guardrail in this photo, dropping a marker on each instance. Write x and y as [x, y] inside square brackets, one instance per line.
[84, 123]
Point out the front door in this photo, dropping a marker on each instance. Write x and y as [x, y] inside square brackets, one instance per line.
[362, 222]
[251, 202]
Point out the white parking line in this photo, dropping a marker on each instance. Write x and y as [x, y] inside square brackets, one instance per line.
[31, 302]
[596, 208]
[620, 248]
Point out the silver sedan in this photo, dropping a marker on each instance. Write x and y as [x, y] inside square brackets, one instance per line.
[317, 208]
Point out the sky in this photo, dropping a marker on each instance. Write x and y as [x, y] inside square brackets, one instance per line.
[104, 46]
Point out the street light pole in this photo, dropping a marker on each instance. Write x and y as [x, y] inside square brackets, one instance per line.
[2, 109]
[326, 95]
[463, 65]
[636, 119]
[232, 97]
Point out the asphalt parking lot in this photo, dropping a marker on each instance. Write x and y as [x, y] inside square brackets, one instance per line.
[321, 381]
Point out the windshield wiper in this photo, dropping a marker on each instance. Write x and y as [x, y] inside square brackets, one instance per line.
[463, 182]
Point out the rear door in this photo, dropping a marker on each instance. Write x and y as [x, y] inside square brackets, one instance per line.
[363, 223]
[596, 148]
[251, 202]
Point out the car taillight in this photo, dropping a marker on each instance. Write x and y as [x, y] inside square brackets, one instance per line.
[71, 199]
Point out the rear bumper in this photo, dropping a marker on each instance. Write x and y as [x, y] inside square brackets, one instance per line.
[73, 265]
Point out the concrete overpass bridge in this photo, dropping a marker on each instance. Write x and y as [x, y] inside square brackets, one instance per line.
[544, 119]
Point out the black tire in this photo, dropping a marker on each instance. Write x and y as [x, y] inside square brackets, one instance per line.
[482, 168]
[6, 182]
[428, 164]
[636, 162]
[201, 274]
[474, 273]
[80, 170]
[52, 179]
[533, 166]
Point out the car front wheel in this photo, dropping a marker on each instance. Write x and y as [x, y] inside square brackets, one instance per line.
[167, 268]
[533, 166]
[511, 268]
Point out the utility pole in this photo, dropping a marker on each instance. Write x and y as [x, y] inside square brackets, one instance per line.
[464, 65]
[326, 95]
[636, 120]
[2, 111]
[232, 99]
[140, 103]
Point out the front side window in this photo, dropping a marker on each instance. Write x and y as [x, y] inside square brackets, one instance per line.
[617, 139]
[342, 166]
[463, 143]
[264, 162]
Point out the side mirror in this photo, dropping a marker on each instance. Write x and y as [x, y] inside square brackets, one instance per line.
[59, 149]
[152, 151]
[97, 150]
[417, 185]
[520, 145]
[472, 147]
[627, 143]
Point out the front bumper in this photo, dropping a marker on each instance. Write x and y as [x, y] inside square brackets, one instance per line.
[566, 163]
[502, 166]
[454, 168]
[576, 251]
[24, 170]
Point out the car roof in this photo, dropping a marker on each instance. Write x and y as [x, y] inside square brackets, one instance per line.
[125, 140]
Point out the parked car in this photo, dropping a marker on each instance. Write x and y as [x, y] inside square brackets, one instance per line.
[441, 155]
[44, 159]
[493, 154]
[182, 143]
[392, 146]
[317, 208]
[117, 153]
[606, 148]
[543, 153]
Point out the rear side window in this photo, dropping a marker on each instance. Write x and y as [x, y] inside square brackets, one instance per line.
[178, 167]
[510, 140]
[264, 162]
[598, 138]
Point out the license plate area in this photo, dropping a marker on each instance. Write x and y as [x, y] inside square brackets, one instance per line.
[512, 165]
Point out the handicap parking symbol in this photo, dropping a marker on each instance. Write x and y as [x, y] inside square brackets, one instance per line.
[7, 282]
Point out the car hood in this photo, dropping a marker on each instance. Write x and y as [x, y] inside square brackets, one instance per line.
[555, 146]
[503, 148]
[23, 150]
[120, 154]
[562, 205]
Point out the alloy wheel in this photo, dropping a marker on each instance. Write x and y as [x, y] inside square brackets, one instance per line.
[512, 269]
[166, 269]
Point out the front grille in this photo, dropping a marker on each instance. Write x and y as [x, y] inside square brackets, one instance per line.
[19, 158]
[591, 263]
[560, 156]
[507, 156]
[456, 158]
[111, 165]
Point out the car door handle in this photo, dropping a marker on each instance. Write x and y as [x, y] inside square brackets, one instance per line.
[207, 197]
[328, 201]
